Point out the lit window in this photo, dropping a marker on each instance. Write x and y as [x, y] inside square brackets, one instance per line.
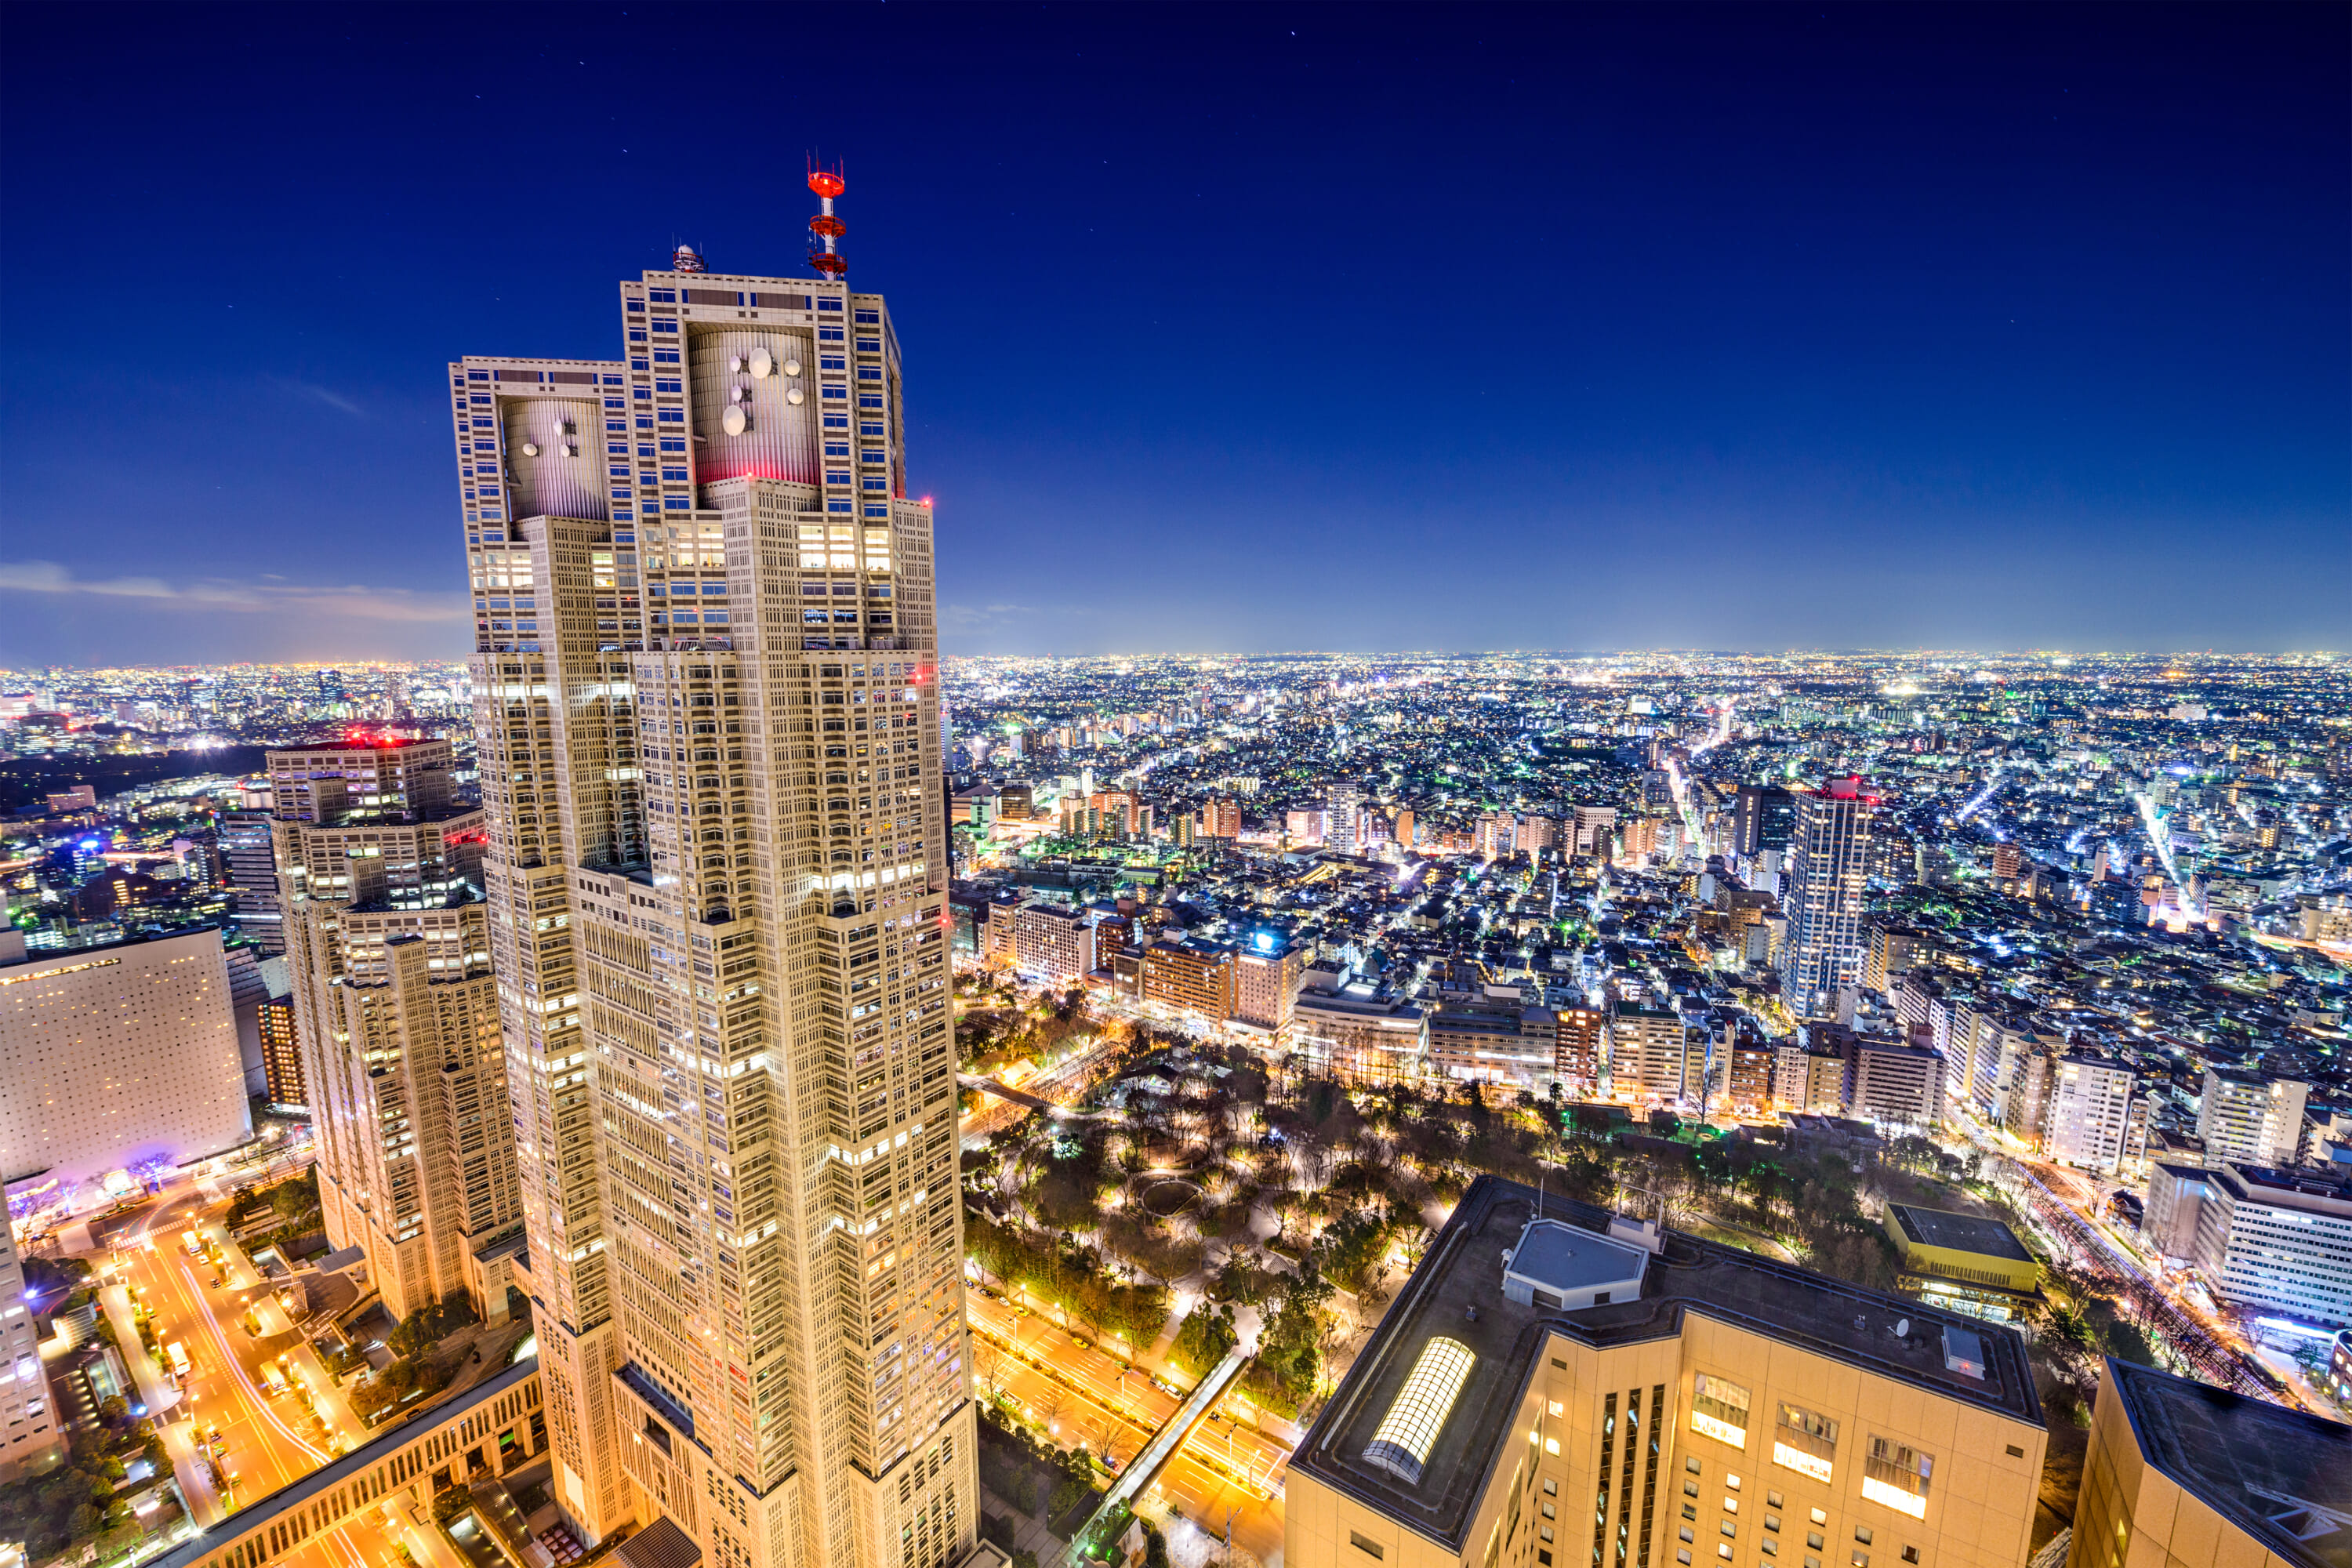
[1720, 1410]
[1897, 1475]
[1805, 1442]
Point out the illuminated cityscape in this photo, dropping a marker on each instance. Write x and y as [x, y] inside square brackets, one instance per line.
[1373, 788]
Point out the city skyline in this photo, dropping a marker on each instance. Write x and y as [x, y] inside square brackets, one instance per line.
[1808, 329]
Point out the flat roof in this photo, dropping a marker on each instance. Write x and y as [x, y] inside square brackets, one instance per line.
[1960, 1232]
[1462, 1273]
[2282, 1476]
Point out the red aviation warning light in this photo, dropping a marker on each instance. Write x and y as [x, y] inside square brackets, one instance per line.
[827, 184]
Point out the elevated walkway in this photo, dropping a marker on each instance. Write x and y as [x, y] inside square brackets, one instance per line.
[1147, 1464]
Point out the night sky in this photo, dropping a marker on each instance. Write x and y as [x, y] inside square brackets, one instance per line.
[1235, 328]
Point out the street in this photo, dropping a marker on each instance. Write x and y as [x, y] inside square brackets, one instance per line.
[1091, 1397]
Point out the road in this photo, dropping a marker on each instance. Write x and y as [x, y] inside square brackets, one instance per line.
[265, 1442]
[1090, 1396]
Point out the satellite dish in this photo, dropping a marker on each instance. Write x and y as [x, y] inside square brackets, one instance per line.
[761, 363]
[792, 396]
[530, 448]
[732, 421]
[791, 367]
[735, 364]
[1902, 1328]
[739, 395]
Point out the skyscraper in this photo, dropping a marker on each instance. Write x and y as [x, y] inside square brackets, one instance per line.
[705, 692]
[1829, 848]
[396, 1014]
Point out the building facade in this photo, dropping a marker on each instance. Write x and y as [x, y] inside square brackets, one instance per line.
[1828, 879]
[706, 687]
[117, 1059]
[1589, 1400]
[2250, 1116]
[2278, 1240]
[396, 1012]
[2088, 1115]
[1265, 987]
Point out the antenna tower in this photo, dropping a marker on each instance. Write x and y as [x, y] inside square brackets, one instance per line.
[825, 227]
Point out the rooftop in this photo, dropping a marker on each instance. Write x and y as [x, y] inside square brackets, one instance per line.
[1463, 1276]
[2283, 1477]
[1960, 1232]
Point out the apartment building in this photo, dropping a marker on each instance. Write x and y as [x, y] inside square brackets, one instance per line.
[2277, 1239]
[2087, 1121]
[1563, 1389]
[1053, 943]
[1190, 976]
[1654, 1055]
[2251, 1117]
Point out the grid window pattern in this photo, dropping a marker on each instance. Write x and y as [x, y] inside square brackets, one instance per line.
[1805, 1442]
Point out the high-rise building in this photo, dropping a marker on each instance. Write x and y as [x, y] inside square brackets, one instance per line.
[282, 1039]
[1653, 1054]
[1829, 849]
[1580, 1046]
[2250, 1117]
[705, 692]
[2180, 1473]
[246, 850]
[396, 1012]
[122, 1057]
[1556, 1381]
[1764, 818]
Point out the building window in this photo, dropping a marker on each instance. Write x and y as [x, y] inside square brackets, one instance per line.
[1720, 1410]
[1805, 1442]
[1371, 1549]
[1897, 1475]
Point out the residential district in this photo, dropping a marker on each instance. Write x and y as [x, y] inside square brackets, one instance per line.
[1891, 1095]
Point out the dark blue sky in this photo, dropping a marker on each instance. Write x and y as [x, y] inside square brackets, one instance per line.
[1244, 327]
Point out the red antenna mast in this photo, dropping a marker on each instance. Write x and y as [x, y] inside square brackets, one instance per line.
[827, 184]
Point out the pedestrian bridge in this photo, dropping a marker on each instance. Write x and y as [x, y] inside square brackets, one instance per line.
[1148, 1460]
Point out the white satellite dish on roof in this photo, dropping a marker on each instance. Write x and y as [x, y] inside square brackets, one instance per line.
[762, 362]
[530, 448]
[792, 396]
[732, 421]
[1902, 1328]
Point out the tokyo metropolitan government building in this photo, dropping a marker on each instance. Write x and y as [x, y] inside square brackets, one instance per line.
[707, 694]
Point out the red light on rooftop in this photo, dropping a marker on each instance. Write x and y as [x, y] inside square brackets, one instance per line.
[927, 501]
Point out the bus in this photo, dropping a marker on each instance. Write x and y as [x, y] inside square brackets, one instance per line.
[178, 1355]
[190, 1239]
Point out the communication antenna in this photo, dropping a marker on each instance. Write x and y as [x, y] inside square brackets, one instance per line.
[827, 184]
[686, 259]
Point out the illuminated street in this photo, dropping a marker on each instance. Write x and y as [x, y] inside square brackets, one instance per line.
[1090, 1396]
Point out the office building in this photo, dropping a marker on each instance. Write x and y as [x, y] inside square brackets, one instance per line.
[2176, 1197]
[707, 696]
[1494, 1041]
[116, 1059]
[1763, 818]
[248, 854]
[1353, 1033]
[2281, 1240]
[396, 1014]
[1828, 852]
[282, 1039]
[1574, 1389]
[2088, 1113]
[2253, 1118]
[2181, 1474]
